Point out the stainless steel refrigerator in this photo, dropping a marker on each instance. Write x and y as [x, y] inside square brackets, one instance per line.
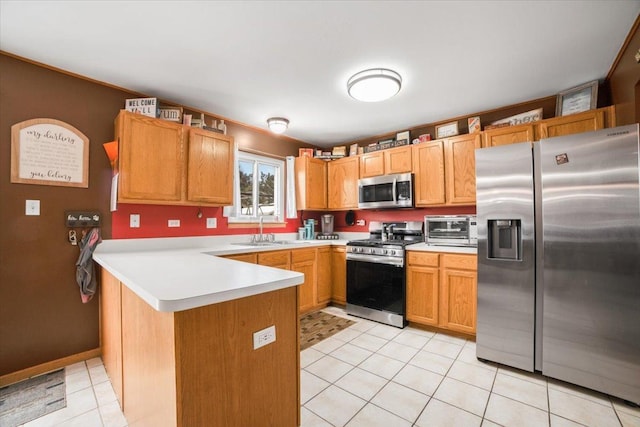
[559, 258]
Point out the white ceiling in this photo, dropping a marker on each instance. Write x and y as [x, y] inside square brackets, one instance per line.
[251, 60]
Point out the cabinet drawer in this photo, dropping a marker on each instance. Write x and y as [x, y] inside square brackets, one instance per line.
[301, 255]
[422, 258]
[274, 258]
[252, 258]
[462, 262]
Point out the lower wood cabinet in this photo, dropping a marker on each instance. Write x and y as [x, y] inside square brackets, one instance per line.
[442, 290]
[339, 274]
[324, 270]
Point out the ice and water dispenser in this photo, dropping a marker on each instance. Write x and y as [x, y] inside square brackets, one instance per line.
[504, 239]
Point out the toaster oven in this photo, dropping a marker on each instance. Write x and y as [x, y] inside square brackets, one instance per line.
[451, 230]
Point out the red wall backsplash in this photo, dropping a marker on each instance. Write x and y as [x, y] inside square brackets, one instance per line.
[154, 219]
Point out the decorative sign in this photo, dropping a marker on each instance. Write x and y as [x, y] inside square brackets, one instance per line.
[145, 106]
[521, 119]
[447, 129]
[49, 152]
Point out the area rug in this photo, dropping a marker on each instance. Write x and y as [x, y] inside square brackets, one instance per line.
[314, 327]
[32, 398]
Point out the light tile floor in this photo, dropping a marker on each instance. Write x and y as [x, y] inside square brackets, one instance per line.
[373, 375]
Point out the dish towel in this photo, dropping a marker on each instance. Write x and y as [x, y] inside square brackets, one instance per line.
[85, 271]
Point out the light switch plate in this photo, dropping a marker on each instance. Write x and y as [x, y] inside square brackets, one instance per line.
[134, 221]
[212, 222]
[32, 207]
[174, 223]
[264, 337]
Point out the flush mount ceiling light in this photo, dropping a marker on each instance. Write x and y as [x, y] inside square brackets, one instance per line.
[278, 124]
[376, 84]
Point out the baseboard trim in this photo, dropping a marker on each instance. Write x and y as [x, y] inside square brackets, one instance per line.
[47, 367]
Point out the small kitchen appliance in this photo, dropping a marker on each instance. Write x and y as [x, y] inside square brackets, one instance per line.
[326, 224]
[451, 230]
[376, 271]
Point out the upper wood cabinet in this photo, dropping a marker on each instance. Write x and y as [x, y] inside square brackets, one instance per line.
[574, 123]
[210, 168]
[372, 164]
[397, 160]
[162, 162]
[508, 135]
[343, 183]
[460, 168]
[385, 162]
[151, 159]
[428, 170]
[311, 183]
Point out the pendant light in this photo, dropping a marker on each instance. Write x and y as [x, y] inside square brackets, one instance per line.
[373, 85]
[278, 124]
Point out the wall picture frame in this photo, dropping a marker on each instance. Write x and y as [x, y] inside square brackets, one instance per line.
[577, 99]
[447, 129]
[404, 137]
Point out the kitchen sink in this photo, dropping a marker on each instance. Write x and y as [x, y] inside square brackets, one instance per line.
[273, 243]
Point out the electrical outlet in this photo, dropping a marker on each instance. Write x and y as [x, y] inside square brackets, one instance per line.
[361, 222]
[134, 221]
[174, 223]
[32, 207]
[212, 222]
[264, 337]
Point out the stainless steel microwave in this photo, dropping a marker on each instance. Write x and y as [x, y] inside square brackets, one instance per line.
[451, 230]
[386, 191]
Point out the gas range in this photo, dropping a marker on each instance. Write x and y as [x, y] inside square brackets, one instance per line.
[386, 243]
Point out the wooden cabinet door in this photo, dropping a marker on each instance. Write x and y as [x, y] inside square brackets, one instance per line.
[460, 169]
[507, 135]
[458, 293]
[372, 164]
[428, 169]
[311, 183]
[250, 258]
[343, 183]
[324, 275]
[111, 329]
[151, 159]
[277, 259]
[397, 160]
[210, 168]
[339, 275]
[422, 295]
[304, 261]
[575, 123]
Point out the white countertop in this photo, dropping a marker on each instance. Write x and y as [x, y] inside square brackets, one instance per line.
[423, 247]
[180, 273]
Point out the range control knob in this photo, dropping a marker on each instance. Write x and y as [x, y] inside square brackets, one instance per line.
[384, 251]
[392, 252]
[372, 251]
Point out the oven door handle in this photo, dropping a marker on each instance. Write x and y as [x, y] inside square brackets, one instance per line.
[374, 259]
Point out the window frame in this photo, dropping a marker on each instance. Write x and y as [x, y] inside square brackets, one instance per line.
[236, 216]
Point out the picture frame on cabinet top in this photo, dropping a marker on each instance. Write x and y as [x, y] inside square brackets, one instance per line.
[447, 129]
[577, 99]
[403, 136]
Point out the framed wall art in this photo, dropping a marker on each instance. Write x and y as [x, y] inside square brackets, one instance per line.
[49, 152]
[577, 99]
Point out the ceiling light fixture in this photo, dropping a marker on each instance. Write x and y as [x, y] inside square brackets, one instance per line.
[373, 85]
[278, 124]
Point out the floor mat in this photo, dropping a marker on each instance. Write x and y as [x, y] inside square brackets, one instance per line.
[32, 398]
[314, 327]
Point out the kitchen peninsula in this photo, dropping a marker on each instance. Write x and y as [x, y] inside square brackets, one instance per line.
[177, 334]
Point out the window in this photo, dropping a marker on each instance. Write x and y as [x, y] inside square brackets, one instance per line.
[259, 189]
